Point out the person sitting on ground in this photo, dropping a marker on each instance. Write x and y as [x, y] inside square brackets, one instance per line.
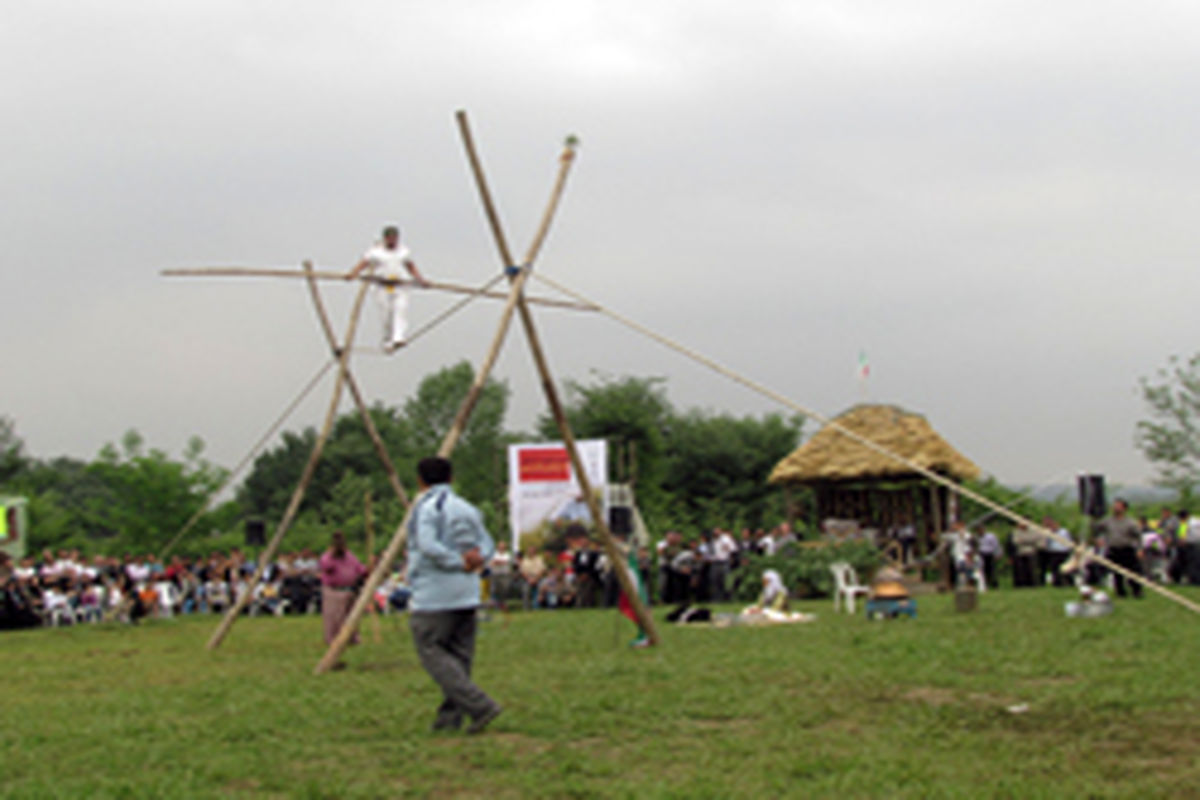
[551, 588]
[532, 568]
[774, 596]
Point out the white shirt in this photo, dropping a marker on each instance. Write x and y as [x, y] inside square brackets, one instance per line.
[724, 547]
[387, 263]
[1055, 546]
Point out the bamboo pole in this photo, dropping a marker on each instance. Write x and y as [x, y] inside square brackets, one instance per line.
[342, 640]
[352, 384]
[267, 555]
[961, 491]
[369, 526]
[539, 356]
[619, 565]
[327, 275]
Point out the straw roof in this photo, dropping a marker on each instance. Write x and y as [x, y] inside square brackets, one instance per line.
[832, 456]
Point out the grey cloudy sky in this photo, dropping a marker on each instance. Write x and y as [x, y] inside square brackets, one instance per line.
[995, 200]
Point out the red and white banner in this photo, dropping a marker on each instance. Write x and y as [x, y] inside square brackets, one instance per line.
[542, 487]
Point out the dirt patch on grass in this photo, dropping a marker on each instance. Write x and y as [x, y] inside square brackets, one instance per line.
[937, 696]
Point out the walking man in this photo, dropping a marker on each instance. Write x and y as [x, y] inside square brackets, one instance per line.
[385, 260]
[447, 548]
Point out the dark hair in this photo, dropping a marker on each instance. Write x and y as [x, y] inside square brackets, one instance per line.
[434, 470]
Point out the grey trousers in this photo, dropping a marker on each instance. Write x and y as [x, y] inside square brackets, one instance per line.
[445, 642]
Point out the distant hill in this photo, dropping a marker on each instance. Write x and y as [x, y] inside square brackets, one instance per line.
[1134, 494]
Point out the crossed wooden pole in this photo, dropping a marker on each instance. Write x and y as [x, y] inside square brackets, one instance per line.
[515, 301]
[518, 275]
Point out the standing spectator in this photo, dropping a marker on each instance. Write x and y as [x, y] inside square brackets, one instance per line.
[341, 572]
[1055, 551]
[1189, 547]
[989, 549]
[447, 547]
[1154, 552]
[1025, 546]
[1124, 540]
[685, 567]
[674, 583]
[724, 551]
[585, 564]
[702, 580]
[502, 574]
[1169, 531]
[961, 549]
[906, 535]
[766, 543]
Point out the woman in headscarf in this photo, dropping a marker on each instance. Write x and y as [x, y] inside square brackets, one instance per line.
[774, 595]
[340, 575]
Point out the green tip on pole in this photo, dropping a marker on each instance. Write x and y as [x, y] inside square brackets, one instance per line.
[572, 140]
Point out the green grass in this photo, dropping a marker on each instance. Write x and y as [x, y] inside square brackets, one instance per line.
[838, 708]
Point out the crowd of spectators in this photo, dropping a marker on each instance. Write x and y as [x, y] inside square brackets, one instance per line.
[1164, 550]
[674, 572]
[59, 588]
[64, 588]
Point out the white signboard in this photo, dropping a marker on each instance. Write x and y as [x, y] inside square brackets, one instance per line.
[542, 486]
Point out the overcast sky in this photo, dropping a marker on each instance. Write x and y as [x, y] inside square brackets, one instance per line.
[996, 201]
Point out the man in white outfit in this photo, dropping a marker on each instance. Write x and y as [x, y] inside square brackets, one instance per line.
[385, 259]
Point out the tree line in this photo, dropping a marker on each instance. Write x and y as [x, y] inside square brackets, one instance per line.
[692, 469]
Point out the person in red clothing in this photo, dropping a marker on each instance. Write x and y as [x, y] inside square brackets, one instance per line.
[341, 573]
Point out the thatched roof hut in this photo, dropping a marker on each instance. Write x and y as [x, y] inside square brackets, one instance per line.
[832, 456]
[852, 481]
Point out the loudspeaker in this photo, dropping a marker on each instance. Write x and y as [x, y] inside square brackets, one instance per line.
[620, 519]
[1091, 495]
[256, 533]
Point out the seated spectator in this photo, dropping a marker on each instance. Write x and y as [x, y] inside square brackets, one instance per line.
[17, 608]
[774, 596]
[532, 568]
[552, 589]
[216, 593]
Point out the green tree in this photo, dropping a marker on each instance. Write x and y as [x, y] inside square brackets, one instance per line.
[1170, 439]
[349, 465]
[718, 466]
[628, 412]
[12, 457]
[148, 496]
[480, 467]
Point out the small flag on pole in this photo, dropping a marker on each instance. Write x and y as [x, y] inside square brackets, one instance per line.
[864, 366]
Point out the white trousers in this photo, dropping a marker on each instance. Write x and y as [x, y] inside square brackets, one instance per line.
[393, 302]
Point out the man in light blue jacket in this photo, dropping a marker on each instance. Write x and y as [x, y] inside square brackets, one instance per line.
[447, 549]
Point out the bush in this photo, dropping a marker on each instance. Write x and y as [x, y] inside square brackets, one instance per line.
[804, 567]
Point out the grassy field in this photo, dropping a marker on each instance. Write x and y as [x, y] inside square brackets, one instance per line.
[841, 707]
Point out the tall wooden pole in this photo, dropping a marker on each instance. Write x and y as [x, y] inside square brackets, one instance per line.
[340, 642]
[539, 356]
[352, 385]
[268, 555]
[619, 565]
[369, 527]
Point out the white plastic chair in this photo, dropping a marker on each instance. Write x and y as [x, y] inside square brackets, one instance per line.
[846, 585]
